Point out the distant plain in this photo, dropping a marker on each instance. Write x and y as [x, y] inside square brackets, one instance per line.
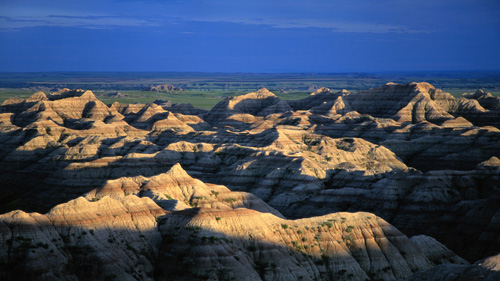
[204, 90]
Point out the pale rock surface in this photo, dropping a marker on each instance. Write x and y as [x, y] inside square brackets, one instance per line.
[248, 245]
[262, 102]
[82, 240]
[327, 153]
[405, 103]
[176, 190]
[491, 263]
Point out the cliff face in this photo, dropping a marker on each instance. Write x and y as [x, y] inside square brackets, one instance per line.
[253, 189]
[405, 103]
[81, 240]
[113, 232]
[134, 238]
[260, 103]
[249, 245]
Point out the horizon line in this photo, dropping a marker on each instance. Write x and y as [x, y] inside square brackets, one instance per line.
[239, 72]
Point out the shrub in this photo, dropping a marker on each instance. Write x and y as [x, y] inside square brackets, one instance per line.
[229, 200]
[328, 223]
[350, 228]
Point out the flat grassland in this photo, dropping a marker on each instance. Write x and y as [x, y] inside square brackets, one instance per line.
[204, 90]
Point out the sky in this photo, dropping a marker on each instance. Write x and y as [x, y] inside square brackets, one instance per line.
[265, 36]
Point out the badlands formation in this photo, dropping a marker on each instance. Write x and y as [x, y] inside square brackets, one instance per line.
[400, 182]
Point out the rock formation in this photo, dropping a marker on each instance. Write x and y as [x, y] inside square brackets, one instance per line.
[328, 187]
[260, 103]
[163, 88]
[116, 95]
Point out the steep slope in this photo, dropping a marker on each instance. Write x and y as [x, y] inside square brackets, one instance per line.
[112, 233]
[411, 155]
[321, 100]
[257, 103]
[81, 240]
[176, 190]
[247, 245]
[486, 100]
[404, 103]
[132, 238]
[486, 270]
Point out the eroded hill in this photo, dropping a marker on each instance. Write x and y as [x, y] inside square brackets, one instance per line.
[256, 188]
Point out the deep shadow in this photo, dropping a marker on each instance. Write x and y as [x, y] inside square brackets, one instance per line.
[458, 212]
[182, 249]
[222, 136]
[431, 149]
[76, 252]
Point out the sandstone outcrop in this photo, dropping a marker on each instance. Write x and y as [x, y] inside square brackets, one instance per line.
[253, 188]
[175, 190]
[405, 103]
[133, 237]
[258, 103]
[248, 245]
[81, 240]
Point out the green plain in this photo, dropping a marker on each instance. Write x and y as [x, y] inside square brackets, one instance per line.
[204, 90]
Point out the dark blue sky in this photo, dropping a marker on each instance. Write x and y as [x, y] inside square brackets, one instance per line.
[249, 36]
